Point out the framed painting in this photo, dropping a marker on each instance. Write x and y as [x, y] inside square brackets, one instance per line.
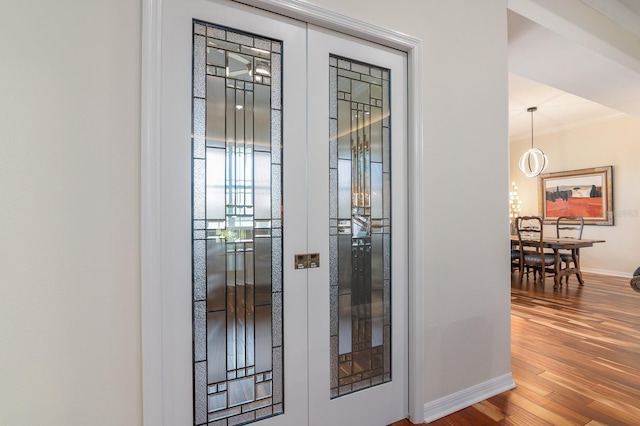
[587, 193]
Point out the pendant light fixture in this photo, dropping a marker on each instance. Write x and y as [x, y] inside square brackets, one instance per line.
[533, 161]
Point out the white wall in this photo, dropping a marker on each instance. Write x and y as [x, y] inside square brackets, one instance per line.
[611, 143]
[467, 323]
[70, 202]
[69, 180]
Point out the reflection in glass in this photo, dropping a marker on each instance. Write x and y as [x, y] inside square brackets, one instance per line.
[237, 227]
[360, 226]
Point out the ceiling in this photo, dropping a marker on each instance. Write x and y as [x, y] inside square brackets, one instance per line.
[557, 110]
[570, 84]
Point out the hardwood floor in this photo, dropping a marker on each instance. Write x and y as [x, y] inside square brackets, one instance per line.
[575, 357]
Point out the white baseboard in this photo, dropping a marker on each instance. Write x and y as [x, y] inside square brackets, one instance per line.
[608, 272]
[467, 397]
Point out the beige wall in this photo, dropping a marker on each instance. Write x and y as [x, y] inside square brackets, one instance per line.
[69, 209]
[616, 143]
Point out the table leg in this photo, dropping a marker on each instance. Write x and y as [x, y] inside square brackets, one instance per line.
[575, 253]
[556, 269]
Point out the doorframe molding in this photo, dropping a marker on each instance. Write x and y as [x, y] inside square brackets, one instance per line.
[151, 185]
[150, 218]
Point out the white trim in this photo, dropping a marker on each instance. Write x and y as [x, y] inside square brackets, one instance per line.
[618, 13]
[561, 21]
[608, 272]
[416, 233]
[316, 15]
[151, 289]
[465, 398]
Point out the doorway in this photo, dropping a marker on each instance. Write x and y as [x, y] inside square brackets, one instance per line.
[298, 219]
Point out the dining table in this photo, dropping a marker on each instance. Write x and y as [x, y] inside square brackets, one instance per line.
[557, 244]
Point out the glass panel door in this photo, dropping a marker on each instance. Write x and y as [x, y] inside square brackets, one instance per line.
[357, 216]
[237, 226]
[235, 327]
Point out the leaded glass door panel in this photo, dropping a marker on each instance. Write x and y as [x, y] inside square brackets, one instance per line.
[237, 222]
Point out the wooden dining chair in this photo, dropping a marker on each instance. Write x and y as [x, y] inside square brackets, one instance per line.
[569, 227]
[515, 258]
[530, 228]
[515, 249]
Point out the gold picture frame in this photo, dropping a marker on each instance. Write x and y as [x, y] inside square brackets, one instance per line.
[586, 192]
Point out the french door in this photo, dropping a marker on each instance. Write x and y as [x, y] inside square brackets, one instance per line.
[356, 215]
[284, 182]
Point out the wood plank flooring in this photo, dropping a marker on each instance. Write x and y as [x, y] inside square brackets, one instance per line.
[575, 357]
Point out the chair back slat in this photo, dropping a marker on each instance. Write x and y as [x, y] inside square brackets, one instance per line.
[569, 227]
[529, 228]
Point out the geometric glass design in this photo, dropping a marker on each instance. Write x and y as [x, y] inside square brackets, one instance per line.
[237, 226]
[360, 226]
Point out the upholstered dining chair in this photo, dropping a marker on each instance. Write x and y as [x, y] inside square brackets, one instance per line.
[530, 228]
[569, 227]
[515, 257]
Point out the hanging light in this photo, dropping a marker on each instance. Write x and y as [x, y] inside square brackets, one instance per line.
[533, 161]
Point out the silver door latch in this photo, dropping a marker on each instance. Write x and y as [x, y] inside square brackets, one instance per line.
[307, 260]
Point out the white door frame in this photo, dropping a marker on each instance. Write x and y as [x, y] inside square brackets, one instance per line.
[151, 186]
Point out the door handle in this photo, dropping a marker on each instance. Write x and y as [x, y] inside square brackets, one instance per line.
[307, 260]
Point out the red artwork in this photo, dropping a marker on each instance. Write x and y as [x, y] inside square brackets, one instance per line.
[587, 193]
[585, 207]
